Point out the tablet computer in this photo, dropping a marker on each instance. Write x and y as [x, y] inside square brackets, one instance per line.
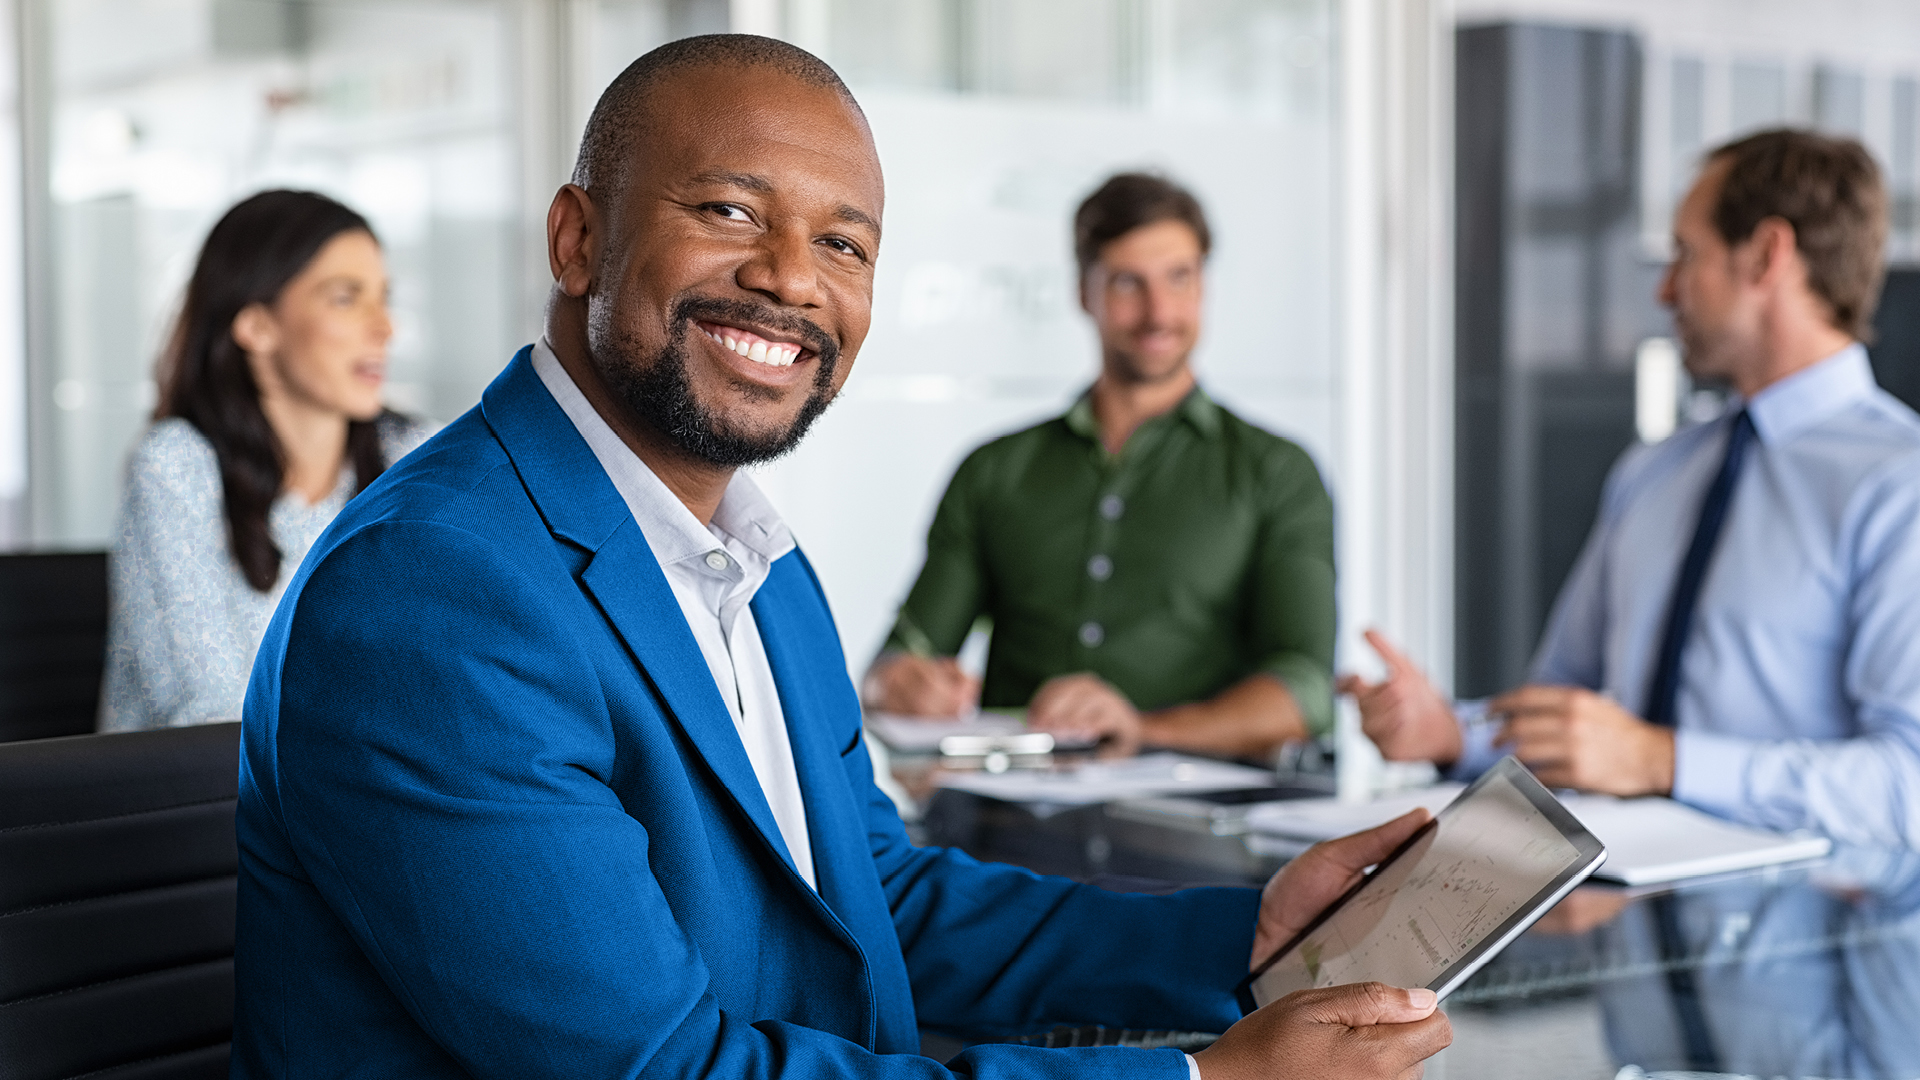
[1446, 901]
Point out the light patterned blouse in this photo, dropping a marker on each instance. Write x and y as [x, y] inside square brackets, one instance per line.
[184, 623]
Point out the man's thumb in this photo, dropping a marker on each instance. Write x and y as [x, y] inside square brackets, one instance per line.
[1367, 1004]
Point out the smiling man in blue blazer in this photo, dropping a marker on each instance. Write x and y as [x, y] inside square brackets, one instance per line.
[552, 767]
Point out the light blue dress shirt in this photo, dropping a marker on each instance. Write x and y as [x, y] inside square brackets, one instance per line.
[1799, 702]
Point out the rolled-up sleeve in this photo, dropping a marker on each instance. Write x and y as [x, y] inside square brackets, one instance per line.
[1292, 621]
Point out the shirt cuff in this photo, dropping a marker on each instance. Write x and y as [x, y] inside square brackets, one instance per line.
[1477, 731]
[1709, 771]
[1193, 1068]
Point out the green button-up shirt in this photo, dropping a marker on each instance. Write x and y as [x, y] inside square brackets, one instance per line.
[1200, 554]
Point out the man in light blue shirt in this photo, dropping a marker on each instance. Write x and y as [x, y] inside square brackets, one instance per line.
[1742, 630]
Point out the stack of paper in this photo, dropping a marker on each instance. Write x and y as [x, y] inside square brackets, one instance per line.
[1648, 840]
[1109, 781]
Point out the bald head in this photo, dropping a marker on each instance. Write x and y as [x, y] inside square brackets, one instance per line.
[713, 262]
[621, 116]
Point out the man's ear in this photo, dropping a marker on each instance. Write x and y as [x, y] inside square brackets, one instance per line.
[1774, 250]
[573, 240]
[256, 331]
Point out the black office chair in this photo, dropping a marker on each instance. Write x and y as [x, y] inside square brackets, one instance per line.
[117, 867]
[53, 641]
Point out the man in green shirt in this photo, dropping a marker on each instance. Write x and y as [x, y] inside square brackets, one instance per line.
[1156, 570]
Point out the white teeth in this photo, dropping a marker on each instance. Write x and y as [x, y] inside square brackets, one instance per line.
[771, 353]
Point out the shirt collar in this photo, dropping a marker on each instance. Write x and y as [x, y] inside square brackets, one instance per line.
[1812, 394]
[673, 533]
[1197, 409]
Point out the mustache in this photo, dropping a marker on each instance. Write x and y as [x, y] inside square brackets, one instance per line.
[716, 309]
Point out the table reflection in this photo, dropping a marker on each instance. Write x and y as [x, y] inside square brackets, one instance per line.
[1809, 971]
[1813, 972]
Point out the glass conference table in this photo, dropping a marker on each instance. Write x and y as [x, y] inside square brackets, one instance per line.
[1801, 971]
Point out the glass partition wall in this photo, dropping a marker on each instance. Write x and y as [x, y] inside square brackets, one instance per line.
[994, 118]
[449, 122]
[146, 119]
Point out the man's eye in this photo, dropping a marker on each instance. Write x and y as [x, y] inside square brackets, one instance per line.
[844, 247]
[730, 211]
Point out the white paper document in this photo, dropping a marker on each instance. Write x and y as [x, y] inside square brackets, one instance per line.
[1648, 840]
[919, 735]
[1108, 781]
[1652, 840]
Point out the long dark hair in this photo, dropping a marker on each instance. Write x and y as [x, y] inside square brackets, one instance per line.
[248, 258]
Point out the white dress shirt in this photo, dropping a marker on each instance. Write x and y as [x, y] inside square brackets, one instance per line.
[714, 570]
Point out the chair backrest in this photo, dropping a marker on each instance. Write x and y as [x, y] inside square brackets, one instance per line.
[53, 643]
[117, 866]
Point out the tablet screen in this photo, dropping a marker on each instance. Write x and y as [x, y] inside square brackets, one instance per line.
[1495, 859]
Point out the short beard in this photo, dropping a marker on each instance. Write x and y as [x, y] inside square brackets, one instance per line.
[659, 393]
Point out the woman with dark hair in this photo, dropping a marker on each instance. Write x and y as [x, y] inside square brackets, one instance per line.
[270, 419]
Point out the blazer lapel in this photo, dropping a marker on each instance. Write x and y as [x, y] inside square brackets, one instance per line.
[823, 718]
[823, 723]
[581, 506]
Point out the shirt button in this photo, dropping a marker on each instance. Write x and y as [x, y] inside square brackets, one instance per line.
[1099, 568]
[717, 560]
[1091, 635]
[1111, 506]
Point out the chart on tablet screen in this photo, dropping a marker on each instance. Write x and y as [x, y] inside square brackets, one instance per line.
[1431, 906]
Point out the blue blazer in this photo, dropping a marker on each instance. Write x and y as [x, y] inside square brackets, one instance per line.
[495, 821]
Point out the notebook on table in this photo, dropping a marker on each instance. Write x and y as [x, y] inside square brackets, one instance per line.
[1649, 840]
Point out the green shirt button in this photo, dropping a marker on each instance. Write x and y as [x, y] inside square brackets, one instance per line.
[1091, 635]
[1111, 507]
[1099, 568]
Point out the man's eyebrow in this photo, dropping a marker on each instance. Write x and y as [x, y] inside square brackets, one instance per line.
[853, 215]
[733, 179]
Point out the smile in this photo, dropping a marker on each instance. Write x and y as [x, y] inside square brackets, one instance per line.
[751, 345]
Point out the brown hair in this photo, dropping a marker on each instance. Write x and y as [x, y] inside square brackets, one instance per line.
[1128, 201]
[251, 254]
[1829, 190]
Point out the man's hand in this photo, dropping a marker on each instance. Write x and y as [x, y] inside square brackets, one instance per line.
[920, 686]
[1365, 1031]
[1403, 714]
[1304, 887]
[1573, 738]
[1086, 706]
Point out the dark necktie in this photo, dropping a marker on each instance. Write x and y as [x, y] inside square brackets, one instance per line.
[1665, 688]
[1695, 1034]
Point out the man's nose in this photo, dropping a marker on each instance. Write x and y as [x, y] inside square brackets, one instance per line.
[1163, 306]
[782, 268]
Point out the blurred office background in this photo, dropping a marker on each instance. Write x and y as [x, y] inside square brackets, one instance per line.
[1439, 226]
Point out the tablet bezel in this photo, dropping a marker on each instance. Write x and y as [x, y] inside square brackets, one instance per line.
[1590, 854]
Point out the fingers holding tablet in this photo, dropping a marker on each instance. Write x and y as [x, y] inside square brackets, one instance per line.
[1362, 1031]
[1434, 909]
[1306, 886]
